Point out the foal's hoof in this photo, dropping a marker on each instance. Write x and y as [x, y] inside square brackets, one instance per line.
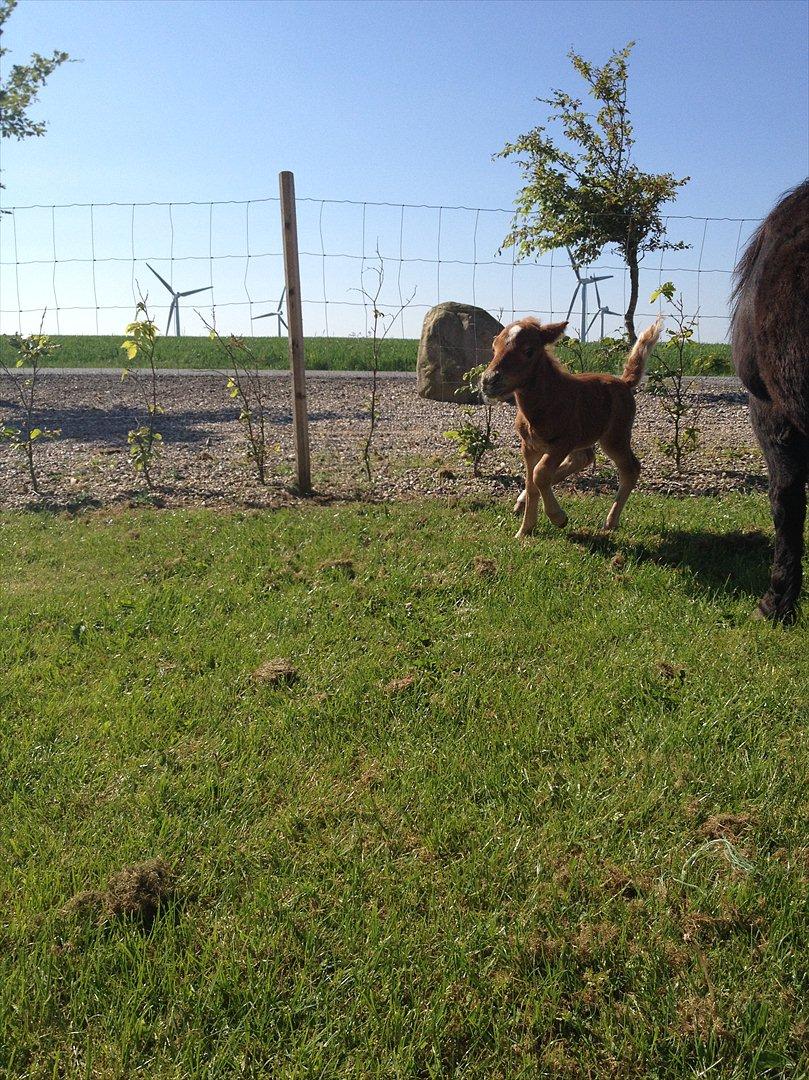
[523, 534]
[560, 521]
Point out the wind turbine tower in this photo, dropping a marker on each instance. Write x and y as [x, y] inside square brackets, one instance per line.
[174, 309]
[582, 283]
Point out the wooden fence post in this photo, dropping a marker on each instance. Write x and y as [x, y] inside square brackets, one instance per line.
[297, 360]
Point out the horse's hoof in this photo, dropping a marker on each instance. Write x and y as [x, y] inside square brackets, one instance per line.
[775, 613]
[560, 522]
[523, 534]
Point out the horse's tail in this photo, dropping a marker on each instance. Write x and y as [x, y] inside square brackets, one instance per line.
[636, 361]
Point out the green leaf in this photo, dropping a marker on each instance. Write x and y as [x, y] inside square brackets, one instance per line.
[668, 289]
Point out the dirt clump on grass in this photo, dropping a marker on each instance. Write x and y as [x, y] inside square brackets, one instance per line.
[727, 826]
[135, 892]
[397, 686]
[278, 672]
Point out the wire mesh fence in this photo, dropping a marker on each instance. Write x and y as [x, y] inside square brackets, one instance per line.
[85, 266]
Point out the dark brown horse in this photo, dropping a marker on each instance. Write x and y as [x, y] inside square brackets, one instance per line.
[770, 333]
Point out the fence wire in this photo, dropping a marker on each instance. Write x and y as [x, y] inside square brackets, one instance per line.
[86, 264]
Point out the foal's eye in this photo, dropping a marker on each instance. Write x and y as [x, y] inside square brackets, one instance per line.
[529, 351]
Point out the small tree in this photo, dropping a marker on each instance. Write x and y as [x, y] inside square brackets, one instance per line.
[145, 441]
[586, 193]
[475, 437]
[244, 385]
[19, 91]
[379, 331]
[668, 380]
[31, 351]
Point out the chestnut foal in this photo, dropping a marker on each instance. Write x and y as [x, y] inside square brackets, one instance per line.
[561, 416]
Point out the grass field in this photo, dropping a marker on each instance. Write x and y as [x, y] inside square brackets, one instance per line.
[334, 354]
[520, 810]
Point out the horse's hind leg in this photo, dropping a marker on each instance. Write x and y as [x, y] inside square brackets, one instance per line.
[787, 453]
[620, 451]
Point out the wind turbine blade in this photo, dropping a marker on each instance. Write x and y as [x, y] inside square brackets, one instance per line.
[604, 277]
[573, 265]
[171, 310]
[269, 315]
[281, 301]
[191, 292]
[159, 278]
[573, 301]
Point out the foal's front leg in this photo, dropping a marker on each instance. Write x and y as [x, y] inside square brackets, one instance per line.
[545, 474]
[573, 463]
[529, 500]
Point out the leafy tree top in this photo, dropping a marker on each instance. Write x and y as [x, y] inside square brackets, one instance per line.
[586, 192]
[20, 89]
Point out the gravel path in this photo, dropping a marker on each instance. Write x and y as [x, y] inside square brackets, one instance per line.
[204, 461]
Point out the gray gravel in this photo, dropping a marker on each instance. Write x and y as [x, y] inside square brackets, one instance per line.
[204, 461]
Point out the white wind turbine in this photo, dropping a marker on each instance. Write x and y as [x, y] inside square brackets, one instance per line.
[174, 309]
[582, 283]
[276, 314]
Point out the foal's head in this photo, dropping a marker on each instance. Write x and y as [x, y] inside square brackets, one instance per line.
[519, 354]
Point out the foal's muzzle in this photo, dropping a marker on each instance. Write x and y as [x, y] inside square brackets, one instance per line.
[491, 383]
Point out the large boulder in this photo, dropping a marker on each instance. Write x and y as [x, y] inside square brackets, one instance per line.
[454, 338]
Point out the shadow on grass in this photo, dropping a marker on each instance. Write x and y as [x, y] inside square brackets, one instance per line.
[735, 564]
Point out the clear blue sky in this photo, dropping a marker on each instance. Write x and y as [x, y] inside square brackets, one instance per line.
[401, 102]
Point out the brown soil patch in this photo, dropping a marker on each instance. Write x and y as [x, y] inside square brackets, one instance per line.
[727, 826]
[277, 672]
[135, 892]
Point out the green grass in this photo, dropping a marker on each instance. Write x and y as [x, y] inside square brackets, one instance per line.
[343, 354]
[332, 354]
[479, 836]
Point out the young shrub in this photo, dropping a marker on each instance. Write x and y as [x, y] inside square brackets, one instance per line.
[244, 385]
[145, 441]
[668, 381]
[30, 351]
[475, 436]
[379, 331]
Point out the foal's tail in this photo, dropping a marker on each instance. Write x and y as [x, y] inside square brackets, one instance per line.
[636, 361]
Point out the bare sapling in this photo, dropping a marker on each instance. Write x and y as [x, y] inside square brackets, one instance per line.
[383, 323]
[145, 441]
[30, 352]
[244, 385]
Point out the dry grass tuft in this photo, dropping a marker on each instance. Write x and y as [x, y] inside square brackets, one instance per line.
[484, 567]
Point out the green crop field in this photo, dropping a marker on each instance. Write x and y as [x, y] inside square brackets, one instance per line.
[333, 354]
[428, 802]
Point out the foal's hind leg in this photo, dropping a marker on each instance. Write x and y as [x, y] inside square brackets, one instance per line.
[620, 451]
[787, 453]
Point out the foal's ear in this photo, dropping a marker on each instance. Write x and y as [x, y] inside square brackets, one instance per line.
[552, 332]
